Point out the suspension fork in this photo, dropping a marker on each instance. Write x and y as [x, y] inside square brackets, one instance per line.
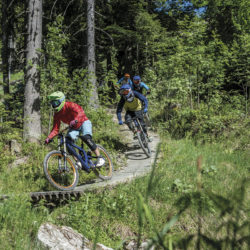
[64, 153]
[138, 124]
[142, 133]
[62, 140]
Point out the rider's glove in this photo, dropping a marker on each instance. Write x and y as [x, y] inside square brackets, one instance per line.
[120, 122]
[72, 123]
[47, 141]
[148, 92]
[145, 110]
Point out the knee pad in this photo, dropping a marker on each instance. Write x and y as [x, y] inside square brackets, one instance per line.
[88, 140]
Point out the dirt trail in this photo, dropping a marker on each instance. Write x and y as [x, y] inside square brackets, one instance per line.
[137, 162]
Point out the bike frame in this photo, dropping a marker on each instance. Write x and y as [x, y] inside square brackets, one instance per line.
[85, 162]
[136, 122]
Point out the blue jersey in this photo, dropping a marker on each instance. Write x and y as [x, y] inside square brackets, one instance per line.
[139, 87]
[124, 81]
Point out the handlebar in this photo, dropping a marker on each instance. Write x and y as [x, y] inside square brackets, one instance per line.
[61, 132]
[133, 118]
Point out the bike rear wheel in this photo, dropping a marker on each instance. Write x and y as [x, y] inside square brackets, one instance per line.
[104, 172]
[143, 141]
[60, 171]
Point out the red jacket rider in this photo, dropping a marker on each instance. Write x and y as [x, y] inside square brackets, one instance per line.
[70, 111]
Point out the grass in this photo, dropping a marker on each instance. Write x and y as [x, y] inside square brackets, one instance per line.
[167, 207]
[14, 76]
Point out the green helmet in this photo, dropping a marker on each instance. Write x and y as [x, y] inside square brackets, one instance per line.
[57, 100]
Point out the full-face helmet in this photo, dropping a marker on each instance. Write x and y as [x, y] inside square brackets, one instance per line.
[126, 92]
[57, 100]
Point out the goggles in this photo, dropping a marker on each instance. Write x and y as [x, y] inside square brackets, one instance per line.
[124, 91]
[55, 103]
[136, 81]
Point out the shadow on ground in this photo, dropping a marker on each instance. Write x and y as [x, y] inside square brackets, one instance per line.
[136, 156]
[117, 144]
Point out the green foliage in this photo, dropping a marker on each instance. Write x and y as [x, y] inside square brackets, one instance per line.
[160, 207]
[178, 186]
[54, 74]
[17, 232]
[198, 70]
[209, 123]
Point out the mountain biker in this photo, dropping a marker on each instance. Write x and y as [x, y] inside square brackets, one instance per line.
[132, 101]
[125, 80]
[80, 126]
[139, 86]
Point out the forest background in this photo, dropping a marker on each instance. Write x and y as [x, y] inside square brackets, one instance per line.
[194, 55]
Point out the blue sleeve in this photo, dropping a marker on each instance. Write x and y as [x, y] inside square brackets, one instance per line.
[131, 83]
[142, 98]
[119, 109]
[143, 85]
[132, 86]
[120, 80]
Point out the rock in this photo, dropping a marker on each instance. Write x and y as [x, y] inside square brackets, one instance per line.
[61, 238]
[102, 247]
[144, 245]
[64, 238]
[15, 147]
[132, 245]
[19, 161]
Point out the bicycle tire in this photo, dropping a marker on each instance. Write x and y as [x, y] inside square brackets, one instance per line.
[143, 141]
[61, 180]
[104, 172]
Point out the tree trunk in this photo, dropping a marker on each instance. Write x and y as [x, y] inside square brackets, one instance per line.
[6, 33]
[32, 117]
[91, 51]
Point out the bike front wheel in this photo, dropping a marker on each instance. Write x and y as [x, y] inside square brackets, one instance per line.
[104, 172]
[60, 171]
[143, 141]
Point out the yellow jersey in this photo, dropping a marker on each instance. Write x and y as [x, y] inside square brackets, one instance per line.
[135, 105]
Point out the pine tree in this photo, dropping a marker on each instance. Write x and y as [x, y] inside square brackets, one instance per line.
[32, 117]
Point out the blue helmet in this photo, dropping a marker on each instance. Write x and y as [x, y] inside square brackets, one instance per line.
[126, 92]
[136, 78]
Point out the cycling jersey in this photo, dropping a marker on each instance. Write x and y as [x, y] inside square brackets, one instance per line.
[140, 87]
[135, 105]
[124, 81]
[70, 111]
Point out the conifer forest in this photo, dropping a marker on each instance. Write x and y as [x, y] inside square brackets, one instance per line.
[194, 55]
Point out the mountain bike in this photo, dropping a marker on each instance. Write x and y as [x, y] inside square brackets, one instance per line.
[140, 134]
[62, 170]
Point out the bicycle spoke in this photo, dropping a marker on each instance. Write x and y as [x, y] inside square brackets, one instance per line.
[60, 171]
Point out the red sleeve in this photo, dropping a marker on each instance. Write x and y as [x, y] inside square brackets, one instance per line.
[56, 127]
[78, 114]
